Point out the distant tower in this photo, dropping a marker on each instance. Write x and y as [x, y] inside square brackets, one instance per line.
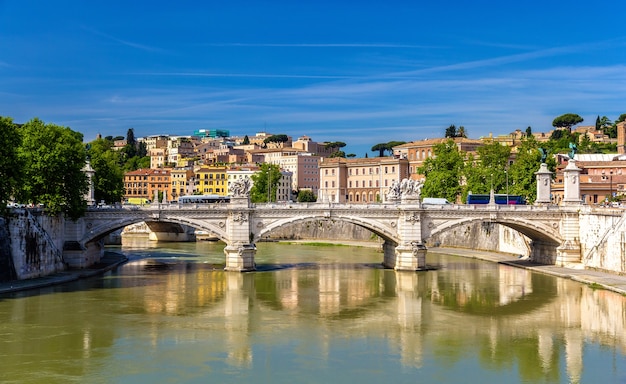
[621, 138]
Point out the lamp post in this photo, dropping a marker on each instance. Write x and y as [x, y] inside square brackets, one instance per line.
[506, 173]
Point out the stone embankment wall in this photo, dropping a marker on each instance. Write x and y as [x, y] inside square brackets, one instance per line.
[28, 246]
[323, 230]
[484, 236]
[608, 232]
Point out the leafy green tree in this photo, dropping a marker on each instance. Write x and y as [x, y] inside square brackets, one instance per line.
[567, 120]
[246, 140]
[337, 154]
[443, 172]
[559, 141]
[461, 132]
[10, 164]
[53, 158]
[529, 131]
[108, 179]
[265, 183]
[336, 145]
[276, 139]
[522, 177]
[306, 196]
[135, 163]
[142, 149]
[130, 149]
[489, 170]
[381, 148]
[450, 131]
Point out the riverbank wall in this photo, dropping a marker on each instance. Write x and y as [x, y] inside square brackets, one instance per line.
[609, 251]
[28, 248]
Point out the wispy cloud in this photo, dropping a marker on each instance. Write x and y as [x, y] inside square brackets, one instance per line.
[127, 43]
[243, 75]
[320, 45]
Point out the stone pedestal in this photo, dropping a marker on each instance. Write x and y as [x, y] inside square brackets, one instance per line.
[544, 179]
[240, 258]
[571, 184]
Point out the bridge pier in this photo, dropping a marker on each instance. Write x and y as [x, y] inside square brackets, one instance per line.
[240, 257]
[406, 257]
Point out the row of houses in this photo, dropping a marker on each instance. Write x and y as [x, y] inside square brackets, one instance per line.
[191, 165]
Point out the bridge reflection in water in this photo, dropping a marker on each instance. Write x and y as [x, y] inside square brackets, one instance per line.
[322, 312]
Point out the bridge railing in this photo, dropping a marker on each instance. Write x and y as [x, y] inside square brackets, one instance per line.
[317, 205]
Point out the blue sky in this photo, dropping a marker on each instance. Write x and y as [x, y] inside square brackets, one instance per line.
[362, 72]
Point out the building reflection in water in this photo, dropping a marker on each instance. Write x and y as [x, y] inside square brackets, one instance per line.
[503, 314]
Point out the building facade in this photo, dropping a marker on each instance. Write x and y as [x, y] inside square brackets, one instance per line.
[147, 183]
[362, 180]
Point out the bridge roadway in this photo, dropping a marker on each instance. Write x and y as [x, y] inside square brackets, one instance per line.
[404, 226]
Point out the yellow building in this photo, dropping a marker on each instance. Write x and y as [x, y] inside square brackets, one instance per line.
[212, 181]
[180, 185]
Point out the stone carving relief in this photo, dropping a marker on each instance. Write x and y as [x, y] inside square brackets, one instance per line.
[240, 187]
[405, 188]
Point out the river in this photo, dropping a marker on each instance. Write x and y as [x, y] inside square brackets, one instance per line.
[311, 314]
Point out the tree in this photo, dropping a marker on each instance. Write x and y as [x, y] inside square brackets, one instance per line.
[265, 183]
[489, 170]
[53, 158]
[443, 172]
[276, 139]
[135, 163]
[108, 179]
[522, 177]
[529, 131]
[336, 145]
[130, 149]
[306, 196]
[567, 121]
[382, 147]
[10, 164]
[246, 140]
[461, 132]
[337, 154]
[450, 131]
[142, 149]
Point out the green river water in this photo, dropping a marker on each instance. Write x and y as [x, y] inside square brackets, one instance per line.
[311, 314]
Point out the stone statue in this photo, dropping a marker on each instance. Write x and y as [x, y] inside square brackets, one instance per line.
[572, 151]
[394, 191]
[240, 187]
[417, 187]
[405, 188]
[544, 155]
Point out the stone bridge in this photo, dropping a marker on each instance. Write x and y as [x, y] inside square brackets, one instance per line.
[404, 227]
[402, 222]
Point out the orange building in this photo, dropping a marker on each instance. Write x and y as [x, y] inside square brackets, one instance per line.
[144, 183]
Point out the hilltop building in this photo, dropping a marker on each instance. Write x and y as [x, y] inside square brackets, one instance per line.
[359, 180]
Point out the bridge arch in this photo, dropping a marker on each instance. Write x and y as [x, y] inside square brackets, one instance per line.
[108, 227]
[538, 232]
[381, 230]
